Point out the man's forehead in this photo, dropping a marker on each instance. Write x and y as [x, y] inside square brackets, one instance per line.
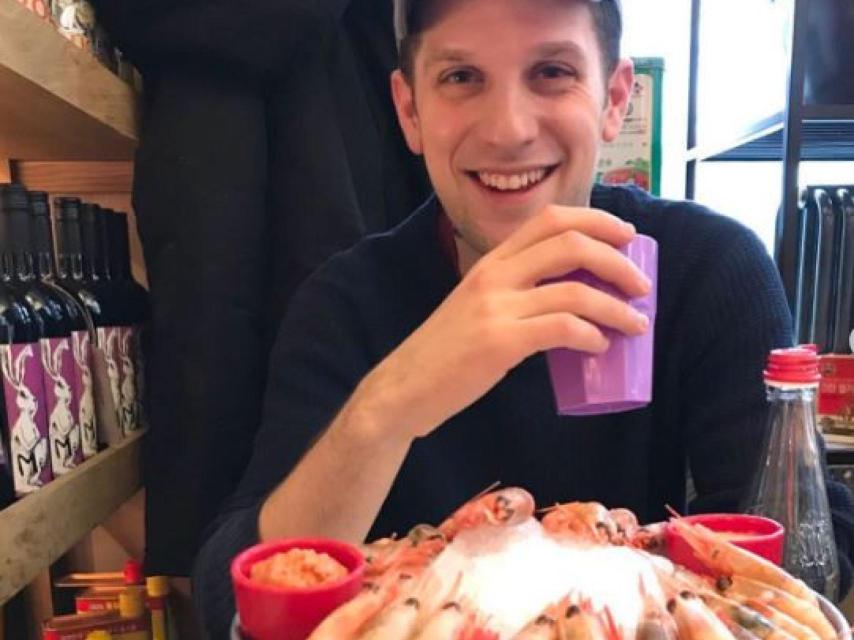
[544, 49]
[406, 10]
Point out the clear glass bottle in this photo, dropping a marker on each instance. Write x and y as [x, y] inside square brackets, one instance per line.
[789, 484]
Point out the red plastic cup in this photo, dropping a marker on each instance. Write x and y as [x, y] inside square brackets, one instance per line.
[280, 613]
[756, 534]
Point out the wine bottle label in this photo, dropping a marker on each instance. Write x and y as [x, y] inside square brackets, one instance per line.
[26, 416]
[128, 407]
[61, 400]
[108, 340]
[86, 400]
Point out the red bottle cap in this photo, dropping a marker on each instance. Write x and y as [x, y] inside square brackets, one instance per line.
[798, 365]
[50, 634]
[133, 572]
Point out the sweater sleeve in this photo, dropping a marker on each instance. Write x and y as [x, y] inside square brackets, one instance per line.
[317, 361]
[741, 316]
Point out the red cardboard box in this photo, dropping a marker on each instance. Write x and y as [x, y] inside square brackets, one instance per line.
[836, 398]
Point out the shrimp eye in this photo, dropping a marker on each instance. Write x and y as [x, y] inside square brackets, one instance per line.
[412, 602]
[572, 610]
[671, 605]
[544, 620]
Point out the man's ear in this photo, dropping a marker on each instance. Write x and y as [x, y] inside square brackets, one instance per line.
[620, 86]
[404, 103]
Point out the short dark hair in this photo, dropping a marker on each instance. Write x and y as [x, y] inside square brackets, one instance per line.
[607, 22]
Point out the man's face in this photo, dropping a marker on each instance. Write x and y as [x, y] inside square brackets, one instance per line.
[509, 104]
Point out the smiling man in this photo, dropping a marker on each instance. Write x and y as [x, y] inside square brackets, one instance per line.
[409, 373]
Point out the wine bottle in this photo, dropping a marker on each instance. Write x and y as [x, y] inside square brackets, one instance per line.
[79, 249]
[80, 325]
[24, 416]
[132, 303]
[54, 344]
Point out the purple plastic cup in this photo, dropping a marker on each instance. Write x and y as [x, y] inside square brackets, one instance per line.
[621, 378]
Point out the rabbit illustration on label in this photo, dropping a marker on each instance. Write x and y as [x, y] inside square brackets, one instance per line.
[86, 408]
[28, 445]
[108, 338]
[128, 406]
[62, 426]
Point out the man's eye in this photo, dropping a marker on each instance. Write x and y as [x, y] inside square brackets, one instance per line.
[459, 76]
[554, 72]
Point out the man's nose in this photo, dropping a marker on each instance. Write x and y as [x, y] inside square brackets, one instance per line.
[509, 118]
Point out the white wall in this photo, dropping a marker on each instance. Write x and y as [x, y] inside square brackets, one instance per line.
[662, 28]
[732, 94]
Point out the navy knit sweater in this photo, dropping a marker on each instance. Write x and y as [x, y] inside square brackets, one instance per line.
[721, 309]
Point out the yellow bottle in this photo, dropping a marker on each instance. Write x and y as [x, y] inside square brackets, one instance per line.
[158, 591]
[100, 634]
[134, 616]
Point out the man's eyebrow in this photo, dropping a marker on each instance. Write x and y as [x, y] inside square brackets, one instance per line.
[446, 55]
[558, 48]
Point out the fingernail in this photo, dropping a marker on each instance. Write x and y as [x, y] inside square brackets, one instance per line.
[646, 283]
[643, 321]
[630, 227]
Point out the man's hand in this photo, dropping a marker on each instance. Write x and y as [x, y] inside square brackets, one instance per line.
[499, 315]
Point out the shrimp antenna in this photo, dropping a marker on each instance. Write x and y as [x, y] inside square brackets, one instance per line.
[673, 512]
[489, 489]
[548, 509]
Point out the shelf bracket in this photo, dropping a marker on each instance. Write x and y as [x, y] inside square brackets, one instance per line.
[786, 250]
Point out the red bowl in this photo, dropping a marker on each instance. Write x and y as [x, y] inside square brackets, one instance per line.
[762, 536]
[282, 613]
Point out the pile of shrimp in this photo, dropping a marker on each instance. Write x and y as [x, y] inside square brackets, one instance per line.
[744, 598]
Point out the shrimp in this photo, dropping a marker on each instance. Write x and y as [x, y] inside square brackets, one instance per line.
[803, 612]
[781, 620]
[739, 633]
[405, 555]
[655, 623]
[379, 553]
[425, 533]
[348, 619]
[589, 520]
[726, 559]
[446, 623]
[475, 628]
[625, 519]
[396, 621]
[650, 538]
[695, 620]
[505, 507]
[401, 617]
[580, 623]
[748, 619]
[544, 626]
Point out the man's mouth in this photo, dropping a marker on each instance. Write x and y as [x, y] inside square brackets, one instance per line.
[512, 181]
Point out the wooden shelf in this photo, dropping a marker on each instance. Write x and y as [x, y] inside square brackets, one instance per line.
[58, 102]
[38, 529]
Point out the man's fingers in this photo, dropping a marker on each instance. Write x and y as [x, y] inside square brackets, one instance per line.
[557, 330]
[571, 251]
[555, 220]
[584, 301]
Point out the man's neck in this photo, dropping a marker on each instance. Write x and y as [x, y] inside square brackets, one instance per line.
[466, 256]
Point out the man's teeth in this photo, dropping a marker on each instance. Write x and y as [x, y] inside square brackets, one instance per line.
[512, 182]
